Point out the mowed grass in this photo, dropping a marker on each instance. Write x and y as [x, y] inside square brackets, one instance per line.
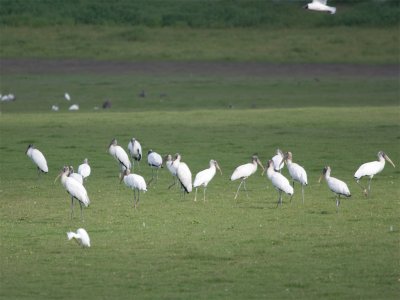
[174, 248]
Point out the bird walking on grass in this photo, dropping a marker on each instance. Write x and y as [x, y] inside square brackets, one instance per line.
[80, 236]
[335, 185]
[38, 159]
[244, 171]
[204, 177]
[370, 169]
[280, 182]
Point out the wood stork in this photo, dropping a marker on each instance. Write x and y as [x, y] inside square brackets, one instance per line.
[136, 183]
[135, 150]
[155, 162]
[278, 160]
[280, 182]
[183, 174]
[244, 171]
[370, 169]
[84, 169]
[80, 236]
[172, 168]
[78, 177]
[75, 189]
[38, 159]
[204, 177]
[297, 172]
[120, 155]
[335, 185]
[320, 5]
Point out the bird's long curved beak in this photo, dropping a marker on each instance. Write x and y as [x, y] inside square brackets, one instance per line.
[57, 178]
[262, 167]
[390, 161]
[217, 165]
[320, 178]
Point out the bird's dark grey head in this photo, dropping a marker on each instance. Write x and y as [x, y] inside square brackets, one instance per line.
[29, 147]
[113, 142]
[305, 6]
[325, 169]
[150, 151]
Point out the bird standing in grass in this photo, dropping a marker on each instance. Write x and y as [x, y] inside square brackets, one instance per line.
[38, 159]
[171, 168]
[320, 5]
[80, 236]
[204, 177]
[120, 155]
[155, 162]
[136, 183]
[335, 185]
[183, 174]
[297, 173]
[370, 169]
[84, 169]
[244, 171]
[78, 177]
[278, 160]
[135, 150]
[280, 182]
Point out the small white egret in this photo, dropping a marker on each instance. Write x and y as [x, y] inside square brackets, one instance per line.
[280, 182]
[84, 169]
[135, 150]
[81, 237]
[136, 183]
[183, 174]
[172, 168]
[244, 171]
[335, 185]
[75, 189]
[120, 155]
[67, 97]
[204, 177]
[78, 177]
[155, 162]
[38, 159]
[370, 169]
[278, 160]
[297, 173]
[320, 5]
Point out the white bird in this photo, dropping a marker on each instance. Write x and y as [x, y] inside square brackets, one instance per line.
[120, 155]
[278, 159]
[67, 97]
[204, 177]
[320, 5]
[280, 182]
[75, 189]
[244, 171]
[183, 174]
[73, 107]
[370, 169]
[84, 169]
[135, 150]
[335, 185]
[172, 168]
[297, 172]
[55, 108]
[78, 177]
[155, 162]
[38, 159]
[81, 237]
[136, 183]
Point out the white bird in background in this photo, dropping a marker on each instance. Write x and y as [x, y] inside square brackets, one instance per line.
[81, 237]
[38, 159]
[204, 177]
[84, 169]
[155, 162]
[320, 5]
[135, 150]
[120, 155]
[78, 177]
[280, 182]
[297, 172]
[335, 185]
[73, 107]
[75, 189]
[244, 171]
[370, 169]
[136, 183]
[183, 174]
[67, 97]
[278, 159]
[55, 108]
[172, 168]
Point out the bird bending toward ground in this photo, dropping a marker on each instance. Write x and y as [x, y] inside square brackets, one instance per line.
[81, 237]
[280, 182]
[38, 159]
[370, 169]
[204, 177]
[335, 185]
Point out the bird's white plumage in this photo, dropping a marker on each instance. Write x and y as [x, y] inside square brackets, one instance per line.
[172, 168]
[337, 186]
[154, 159]
[78, 177]
[278, 160]
[67, 97]
[135, 182]
[84, 169]
[81, 236]
[185, 176]
[135, 149]
[205, 176]
[320, 5]
[296, 171]
[76, 190]
[74, 107]
[246, 170]
[38, 158]
[279, 181]
[120, 155]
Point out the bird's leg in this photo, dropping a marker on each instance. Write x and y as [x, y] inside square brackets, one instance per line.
[134, 198]
[152, 177]
[292, 194]
[337, 203]
[156, 175]
[138, 198]
[173, 183]
[363, 188]
[302, 192]
[279, 199]
[83, 220]
[237, 192]
[244, 186]
[369, 184]
[204, 194]
[72, 207]
[195, 195]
